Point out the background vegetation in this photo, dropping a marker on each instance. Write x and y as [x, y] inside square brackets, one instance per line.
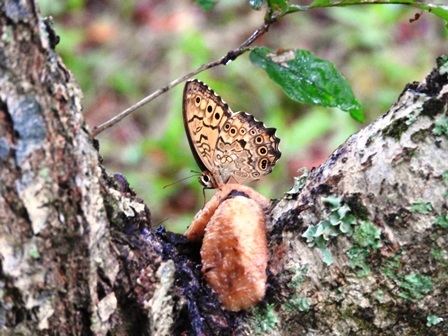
[120, 51]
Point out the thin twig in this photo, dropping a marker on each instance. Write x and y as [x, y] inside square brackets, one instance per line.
[230, 56]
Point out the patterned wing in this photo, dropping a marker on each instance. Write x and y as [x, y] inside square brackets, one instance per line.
[204, 113]
[228, 147]
[246, 149]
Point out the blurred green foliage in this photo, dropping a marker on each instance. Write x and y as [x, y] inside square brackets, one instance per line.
[121, 51]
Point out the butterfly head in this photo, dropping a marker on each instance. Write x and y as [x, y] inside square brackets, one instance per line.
[207, 180]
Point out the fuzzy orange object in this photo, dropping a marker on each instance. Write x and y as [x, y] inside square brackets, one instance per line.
[234, 250]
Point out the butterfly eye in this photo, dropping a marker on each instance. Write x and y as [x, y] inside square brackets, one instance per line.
[217, 116]
[242, 131]
[233, 131]
[209, 109]
[255, 175]
[227, 127]
[198, 100]
[263, 164]
[253, 132]
[262, 150]
[259, 139]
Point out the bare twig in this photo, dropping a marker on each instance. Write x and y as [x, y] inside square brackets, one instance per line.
[230, 56]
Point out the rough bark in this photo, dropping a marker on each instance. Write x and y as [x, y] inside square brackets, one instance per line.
[78, 256]
[387, 273]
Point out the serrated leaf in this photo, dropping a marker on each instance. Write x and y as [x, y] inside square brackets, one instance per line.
[206, 5]
[308, 79]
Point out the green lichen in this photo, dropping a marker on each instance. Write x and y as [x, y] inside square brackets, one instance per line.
[445, 177]
[298, 277]
[340, 220]
[358, 260]
[442, 64]
[421, 207]
[440, 256]
[441, 127]
[392, 266]
[432, 320]
[415, 286]
[264, 319]
[367, 235]
[299, 181]
[44, 173]
[442, 221]
[379, 296]
[34, 252]
[297, 303]
[366, 239]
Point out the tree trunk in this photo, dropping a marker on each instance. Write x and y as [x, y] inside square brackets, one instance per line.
[78, 255]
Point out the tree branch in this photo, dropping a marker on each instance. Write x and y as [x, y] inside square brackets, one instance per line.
[224, 60]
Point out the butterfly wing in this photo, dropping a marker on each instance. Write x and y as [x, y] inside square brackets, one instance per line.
[246, 149]
[204, 113]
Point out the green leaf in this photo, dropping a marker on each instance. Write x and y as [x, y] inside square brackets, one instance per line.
[308, 79]
[206, 4]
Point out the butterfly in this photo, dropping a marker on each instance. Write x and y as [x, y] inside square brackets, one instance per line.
[228, 147]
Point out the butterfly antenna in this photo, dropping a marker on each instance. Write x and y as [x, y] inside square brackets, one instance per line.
[182, 179]
[161, 222]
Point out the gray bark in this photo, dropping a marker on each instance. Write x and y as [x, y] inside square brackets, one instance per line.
[78, 256]
[379, 264]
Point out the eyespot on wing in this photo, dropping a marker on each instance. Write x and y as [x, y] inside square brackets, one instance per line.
[234, 253]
